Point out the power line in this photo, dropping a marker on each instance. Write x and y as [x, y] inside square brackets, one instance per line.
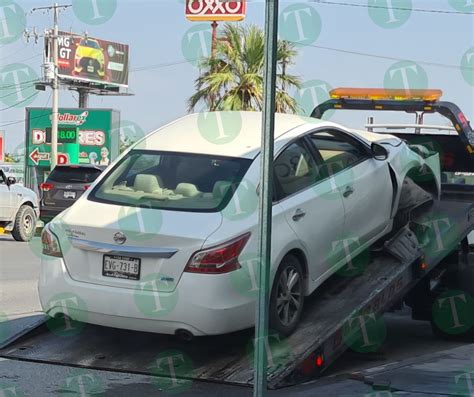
[386, 57]
[19, 103]
[161, 65]
[10, 86]
[424, 10]
[13, 122]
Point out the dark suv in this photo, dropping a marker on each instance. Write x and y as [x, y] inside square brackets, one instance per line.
[64, 185]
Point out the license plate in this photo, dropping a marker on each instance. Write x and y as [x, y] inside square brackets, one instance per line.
[71, 195]
[90, 69]
[121, 267]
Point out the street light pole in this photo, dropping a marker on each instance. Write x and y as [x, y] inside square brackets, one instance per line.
[54, 121]
[265, 208]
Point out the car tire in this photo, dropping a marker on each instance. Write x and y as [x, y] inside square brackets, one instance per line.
[284, 313]
[25, 224]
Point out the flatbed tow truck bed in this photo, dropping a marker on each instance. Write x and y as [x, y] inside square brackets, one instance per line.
[334, 319]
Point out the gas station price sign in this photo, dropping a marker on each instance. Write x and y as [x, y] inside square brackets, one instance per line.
[65, 134]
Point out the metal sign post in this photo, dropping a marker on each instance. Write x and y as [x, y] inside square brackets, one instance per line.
[265, 214]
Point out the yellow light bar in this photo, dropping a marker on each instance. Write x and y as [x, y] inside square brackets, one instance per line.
[386, 94]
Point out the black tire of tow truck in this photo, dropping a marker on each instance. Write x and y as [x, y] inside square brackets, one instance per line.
[25, 224]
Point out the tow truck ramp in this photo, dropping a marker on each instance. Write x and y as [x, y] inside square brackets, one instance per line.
[333, 321]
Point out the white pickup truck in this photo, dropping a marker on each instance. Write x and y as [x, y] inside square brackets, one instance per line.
[19, 208]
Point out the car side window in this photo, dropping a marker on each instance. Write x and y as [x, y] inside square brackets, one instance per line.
[294, 170]
[337, 151]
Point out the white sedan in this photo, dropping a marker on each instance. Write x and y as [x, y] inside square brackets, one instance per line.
[166, 240]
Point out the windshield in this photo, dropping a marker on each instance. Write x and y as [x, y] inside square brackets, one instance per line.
[173, 181]
[74, 175]
[90, 43]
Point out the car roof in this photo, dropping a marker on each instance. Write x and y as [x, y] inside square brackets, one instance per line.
[226, 133]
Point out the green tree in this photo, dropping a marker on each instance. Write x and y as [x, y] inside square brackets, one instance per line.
[232, 78]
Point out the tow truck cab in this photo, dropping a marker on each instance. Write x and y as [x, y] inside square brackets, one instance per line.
[455, 144]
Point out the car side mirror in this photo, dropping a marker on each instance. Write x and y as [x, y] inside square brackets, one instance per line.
[11, 180]
[379, 152]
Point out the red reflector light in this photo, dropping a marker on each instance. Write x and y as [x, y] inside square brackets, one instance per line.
[46, 187]
[218, 260]
[86, 187]
[319, 360]
[424, 266]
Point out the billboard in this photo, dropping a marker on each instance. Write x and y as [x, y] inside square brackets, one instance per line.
[92, 60]
[215, 10]
[85, 136]
[2, 146]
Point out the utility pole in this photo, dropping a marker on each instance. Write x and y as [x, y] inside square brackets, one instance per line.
[265, 210]
[55, 82]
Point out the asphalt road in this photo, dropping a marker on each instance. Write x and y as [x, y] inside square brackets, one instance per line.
[19, 270]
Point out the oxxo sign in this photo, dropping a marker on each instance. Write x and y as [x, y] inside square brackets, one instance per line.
[215, 10]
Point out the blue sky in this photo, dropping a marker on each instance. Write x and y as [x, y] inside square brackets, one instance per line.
[155, 31]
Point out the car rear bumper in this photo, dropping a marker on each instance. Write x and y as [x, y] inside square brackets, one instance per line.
[201, 304]
[47, 213]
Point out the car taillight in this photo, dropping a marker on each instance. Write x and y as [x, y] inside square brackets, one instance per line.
[218, 260]
[46, 187]
[50, 243]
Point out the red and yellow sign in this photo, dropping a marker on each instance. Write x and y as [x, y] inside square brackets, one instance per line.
[215, 10]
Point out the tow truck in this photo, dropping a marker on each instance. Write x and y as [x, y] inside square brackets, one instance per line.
[427, 265]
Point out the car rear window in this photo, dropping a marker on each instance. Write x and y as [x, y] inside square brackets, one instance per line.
[74, 175]
[172, 181]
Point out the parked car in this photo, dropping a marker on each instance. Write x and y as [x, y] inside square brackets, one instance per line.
[18, 208]
[63, 186]
[166, 239]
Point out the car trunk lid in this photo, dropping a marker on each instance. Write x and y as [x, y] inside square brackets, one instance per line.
[162, 241]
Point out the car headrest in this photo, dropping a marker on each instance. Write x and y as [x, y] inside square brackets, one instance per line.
[146, 183]
[187, 190]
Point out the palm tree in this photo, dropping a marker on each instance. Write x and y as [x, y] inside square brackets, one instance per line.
[232, 78]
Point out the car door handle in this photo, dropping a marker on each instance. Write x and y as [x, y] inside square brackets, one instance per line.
[298, 214]
[348, 191]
